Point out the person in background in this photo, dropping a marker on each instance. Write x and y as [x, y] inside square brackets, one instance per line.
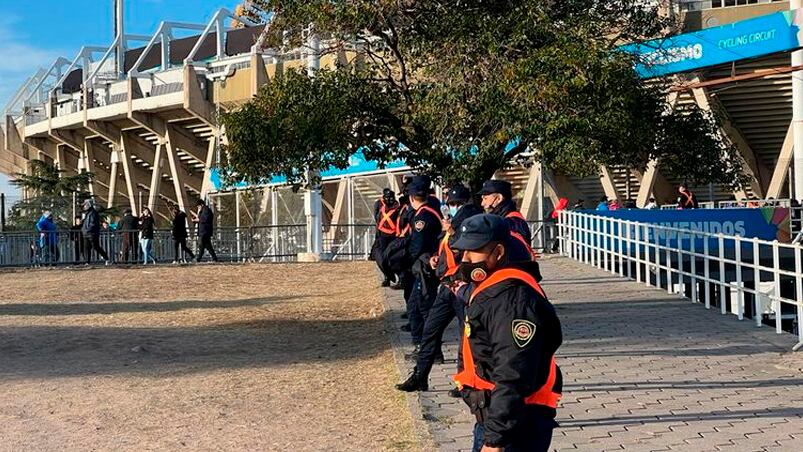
[128, 227]
[580, 204]
[77, 239]
[629, 203]
[91, 232]
[603, 204]
[687, 199]
[179, 233]
[48, 238]
[146, 235]
[205, 219]
[614, 205]
[386, 213]
[651, 204]
[497, 198]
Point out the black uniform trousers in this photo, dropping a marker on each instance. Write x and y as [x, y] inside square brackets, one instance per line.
[445, 308]
[93, 242]
[382, 242]
[535, 434]
[418, 309]
[204, 245]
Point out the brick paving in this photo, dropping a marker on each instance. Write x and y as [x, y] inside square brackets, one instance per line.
[644, 371]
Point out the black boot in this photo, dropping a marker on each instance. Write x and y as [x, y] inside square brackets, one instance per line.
[454, 392]
[405, 316]
[415, 382]
[439, 359]
[386, 283]
[412, 356]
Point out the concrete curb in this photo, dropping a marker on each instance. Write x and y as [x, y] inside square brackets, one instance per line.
[423, 435]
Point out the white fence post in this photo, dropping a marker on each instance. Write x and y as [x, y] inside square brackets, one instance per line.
[668, 253]
[776, 276]
[756, 283]
[693, 268]
[739, 289]
[799, 296]
[637, 240]
[722, 279]
[707, 272]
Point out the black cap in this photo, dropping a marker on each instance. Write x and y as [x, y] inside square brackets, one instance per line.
[480, 230]
[497, 186]
[419, 186]
[458, 193]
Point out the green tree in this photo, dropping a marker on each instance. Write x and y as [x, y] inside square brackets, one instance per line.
[461, 88]
[50, 189]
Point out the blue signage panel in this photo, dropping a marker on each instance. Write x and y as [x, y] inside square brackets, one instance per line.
[767, 223]
[763, 35]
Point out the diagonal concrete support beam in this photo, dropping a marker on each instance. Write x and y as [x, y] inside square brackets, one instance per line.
[782, 166]
[608, 184]
[757, 170]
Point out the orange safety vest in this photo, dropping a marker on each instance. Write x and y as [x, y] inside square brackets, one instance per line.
[520, 237]
[448, 254]
[399, 231]
[385, 223]
[688, 201]
[468, 376]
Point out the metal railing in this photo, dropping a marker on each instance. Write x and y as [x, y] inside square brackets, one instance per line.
[747, 277]
[252, 244]
[280, 243]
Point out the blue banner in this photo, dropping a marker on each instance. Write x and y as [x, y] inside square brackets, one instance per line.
[766, 223]
[763, 35]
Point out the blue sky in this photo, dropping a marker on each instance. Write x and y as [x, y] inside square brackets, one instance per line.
[34, 33]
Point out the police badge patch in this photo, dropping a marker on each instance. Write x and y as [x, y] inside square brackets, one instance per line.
[523, 332]
[419, 225]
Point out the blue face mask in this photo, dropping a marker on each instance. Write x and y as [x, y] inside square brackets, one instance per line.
[453, 210]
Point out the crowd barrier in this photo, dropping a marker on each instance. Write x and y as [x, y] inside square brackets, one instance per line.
[746, 277]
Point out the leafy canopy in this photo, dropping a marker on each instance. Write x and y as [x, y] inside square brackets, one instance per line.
[50, 189]
[462, 88]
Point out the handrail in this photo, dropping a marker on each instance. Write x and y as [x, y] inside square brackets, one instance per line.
[670, 257]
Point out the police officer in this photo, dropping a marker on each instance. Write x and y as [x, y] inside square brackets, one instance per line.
[687, 199]
[497, 198]
[386, 213]
[446, 306]
[425, 227]
[509, 378]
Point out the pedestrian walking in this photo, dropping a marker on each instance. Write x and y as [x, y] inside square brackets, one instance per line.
[48, 238]
[510, 379]
[179, 233]
[77, 239]
[205, 219]
[90, 230]
[146, 225]
[129, 227]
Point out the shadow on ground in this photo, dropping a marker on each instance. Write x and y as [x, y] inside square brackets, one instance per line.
[62, 351]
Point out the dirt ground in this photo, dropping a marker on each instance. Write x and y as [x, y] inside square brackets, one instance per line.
[255, 357]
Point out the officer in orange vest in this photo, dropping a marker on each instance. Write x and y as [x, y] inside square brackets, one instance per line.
[425, 228]
[497, 198]
[386, 213]
[687, 199]
[446, 306]
[509, 378]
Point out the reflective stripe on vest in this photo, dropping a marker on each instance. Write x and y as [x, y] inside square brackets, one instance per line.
[688, 201]
[520, 237]
[468, 376]
[399, 231]
[386, 224]
[427, 208]
[448, 254]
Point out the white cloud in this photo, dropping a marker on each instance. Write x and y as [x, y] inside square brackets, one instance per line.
[18, 59]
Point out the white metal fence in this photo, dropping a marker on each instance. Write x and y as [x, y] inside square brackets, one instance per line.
[747, 277]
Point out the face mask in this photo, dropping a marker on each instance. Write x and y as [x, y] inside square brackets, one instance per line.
[453, 210]
[473, 271]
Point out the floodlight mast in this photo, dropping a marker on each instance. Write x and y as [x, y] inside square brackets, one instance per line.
[119, 37]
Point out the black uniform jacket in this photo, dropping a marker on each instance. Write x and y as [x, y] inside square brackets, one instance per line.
[516, 367]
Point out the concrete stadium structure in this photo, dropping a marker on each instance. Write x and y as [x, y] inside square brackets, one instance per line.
[144, 120]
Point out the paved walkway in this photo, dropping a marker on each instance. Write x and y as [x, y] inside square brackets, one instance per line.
[646, 371]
